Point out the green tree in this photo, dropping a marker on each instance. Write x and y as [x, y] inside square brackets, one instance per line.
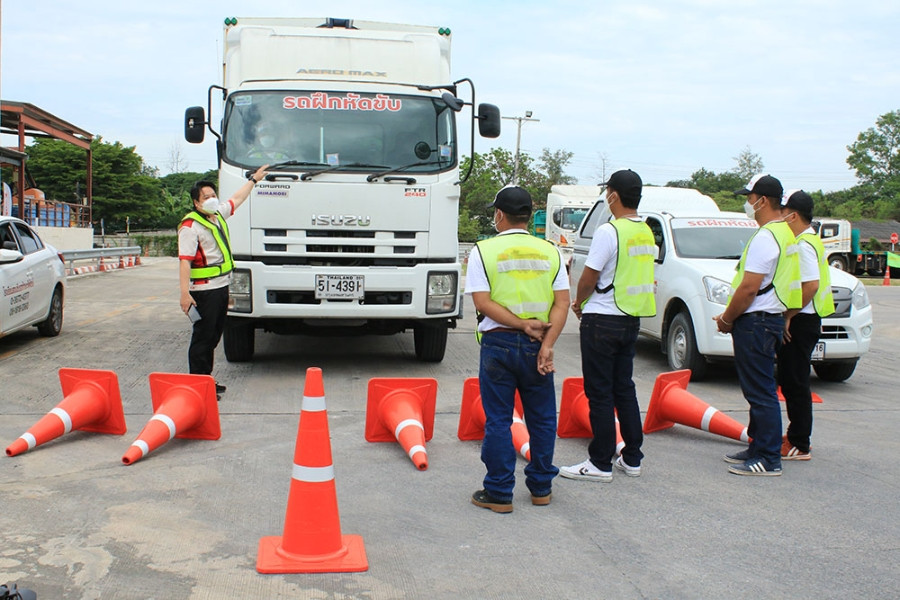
[748, 164]
[875, 155]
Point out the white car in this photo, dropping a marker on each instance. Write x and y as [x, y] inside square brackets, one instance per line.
[699, 247]
[32, 279]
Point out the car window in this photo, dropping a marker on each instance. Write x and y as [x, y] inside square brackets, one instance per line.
[7, 239]
[30, 241]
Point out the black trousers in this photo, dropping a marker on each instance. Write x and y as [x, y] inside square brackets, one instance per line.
[212, 306]
[793, 377]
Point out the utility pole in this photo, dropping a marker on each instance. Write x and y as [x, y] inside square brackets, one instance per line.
[519, 120]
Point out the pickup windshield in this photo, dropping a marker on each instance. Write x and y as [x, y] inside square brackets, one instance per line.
[710, 237]
[334, 129]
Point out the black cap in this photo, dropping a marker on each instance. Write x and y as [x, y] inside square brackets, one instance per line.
[800, 202]
[512, 200]
[764, 185]
[626, 183]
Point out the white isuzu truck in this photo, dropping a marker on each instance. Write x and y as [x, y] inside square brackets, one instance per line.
[354, 231]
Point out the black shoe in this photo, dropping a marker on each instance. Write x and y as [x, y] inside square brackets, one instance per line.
[483, 499]
[16, 594]
[220, 389]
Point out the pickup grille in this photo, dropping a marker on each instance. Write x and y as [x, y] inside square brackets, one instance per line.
[843, 303]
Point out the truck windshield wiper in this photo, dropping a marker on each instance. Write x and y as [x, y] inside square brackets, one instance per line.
[729, 257]
[375, 176]
[311, 174]
[296, 163]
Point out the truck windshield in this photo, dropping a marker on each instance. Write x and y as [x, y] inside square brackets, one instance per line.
[570, 218]
[339, 128]
[709, 237]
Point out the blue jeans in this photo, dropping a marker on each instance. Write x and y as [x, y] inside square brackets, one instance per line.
[509, 362]
[607, 363]
[757, 337]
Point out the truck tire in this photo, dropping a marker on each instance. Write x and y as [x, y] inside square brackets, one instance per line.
[52, 325]
[835, 370]
[838, 262]
[238, 340]
[430, 342]
[681, 347]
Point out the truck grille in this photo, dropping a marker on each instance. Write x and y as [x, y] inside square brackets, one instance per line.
[303, 297]
[340, 247]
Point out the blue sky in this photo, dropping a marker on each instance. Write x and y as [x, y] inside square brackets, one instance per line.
[664, 88]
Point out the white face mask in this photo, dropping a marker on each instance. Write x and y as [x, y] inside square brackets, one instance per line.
[495, 222]
[210, 205]
[750, 209]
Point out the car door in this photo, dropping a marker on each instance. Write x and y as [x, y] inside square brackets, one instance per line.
[652, 326]
[16, 284]
[33, 301]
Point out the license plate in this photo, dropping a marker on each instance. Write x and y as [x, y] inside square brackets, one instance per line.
[337, 287]
[818, 352]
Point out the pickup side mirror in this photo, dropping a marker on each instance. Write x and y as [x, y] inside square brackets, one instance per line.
[488, 120]
[194, 122]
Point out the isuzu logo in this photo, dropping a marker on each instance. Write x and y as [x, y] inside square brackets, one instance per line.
[341, 220]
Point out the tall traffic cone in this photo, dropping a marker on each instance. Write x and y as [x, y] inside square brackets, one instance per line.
[815, 397]
[887, 275]
[312, 540]
[671, 403]
[91, 402]
[184, 406]
[402, 410]
[472, 419]
[575, 413]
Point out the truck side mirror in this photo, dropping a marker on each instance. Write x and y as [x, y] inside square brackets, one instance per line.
[488, 120]
[194, 122]
[557, 217]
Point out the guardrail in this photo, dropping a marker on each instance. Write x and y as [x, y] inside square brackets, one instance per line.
[104, 259]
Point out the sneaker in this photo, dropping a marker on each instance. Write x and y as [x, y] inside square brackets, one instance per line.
[738, 458]
[586, 471]
[756, 467]
[483, 499]
[791, 452]
[541, 500]
[220, 389]
[626, 468]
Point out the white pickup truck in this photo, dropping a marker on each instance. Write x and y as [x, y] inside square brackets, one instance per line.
[699, 247]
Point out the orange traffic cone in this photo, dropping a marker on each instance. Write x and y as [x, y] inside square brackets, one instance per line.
[815, 397]
[402, 410]
[887, 275]
[91, 402]
[312, 540]
[184, 406]
[671, 403]
[575, 413]
[472, 419]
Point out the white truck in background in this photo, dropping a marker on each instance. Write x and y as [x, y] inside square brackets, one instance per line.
[354, 231]
[566, 207]
[699, 247]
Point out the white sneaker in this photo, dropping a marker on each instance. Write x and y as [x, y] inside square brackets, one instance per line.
[586, 471]
[625, 468]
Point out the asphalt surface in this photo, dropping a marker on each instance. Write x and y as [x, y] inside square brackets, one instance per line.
[185, 521]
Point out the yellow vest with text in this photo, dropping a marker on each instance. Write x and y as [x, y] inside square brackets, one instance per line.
[632, 284]
[520, 269]
[224, 244]
[823, 301]
[787, 270]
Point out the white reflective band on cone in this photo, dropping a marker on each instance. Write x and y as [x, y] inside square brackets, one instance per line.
[707, 417]
[415, 449]
[525, 448]
[167, 421]
[313, 403]
[407, 423]
[745, 437]
[64, 417]
[518, 420]
[313, 474]
[29, 439]
[142, 446]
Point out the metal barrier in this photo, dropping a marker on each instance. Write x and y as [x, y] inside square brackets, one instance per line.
[127, 257]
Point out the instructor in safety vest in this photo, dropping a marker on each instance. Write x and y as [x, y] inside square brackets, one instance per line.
[520, 289]
[767, 284]
[615, 290]
[802, 327]
[205, 265]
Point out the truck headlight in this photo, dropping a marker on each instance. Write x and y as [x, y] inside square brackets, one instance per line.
[860, 297]
[240, 298]
[442, 294]
[717, 291]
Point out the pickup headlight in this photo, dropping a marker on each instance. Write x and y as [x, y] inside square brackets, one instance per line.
[441, 293]
[860, 297]
[240, 298]
[717, 291]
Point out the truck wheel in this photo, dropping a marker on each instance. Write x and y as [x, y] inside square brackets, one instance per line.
[838, 262]
[430, 342]
[835, 370]
[52, 325]
[238, 339]
[681, 347]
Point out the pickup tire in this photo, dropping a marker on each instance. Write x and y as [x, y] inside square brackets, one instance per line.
[52, 325]
[835, 370]
[681, 347]
[239, 339]
[430, 342]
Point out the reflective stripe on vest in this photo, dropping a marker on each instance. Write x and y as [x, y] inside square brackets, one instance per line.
[210, 271]
[786, 280]
[823, 301]
[633, 289]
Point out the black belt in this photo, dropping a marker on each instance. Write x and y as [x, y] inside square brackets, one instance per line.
[502, 330]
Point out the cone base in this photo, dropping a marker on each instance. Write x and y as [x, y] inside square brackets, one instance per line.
[353, 560]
